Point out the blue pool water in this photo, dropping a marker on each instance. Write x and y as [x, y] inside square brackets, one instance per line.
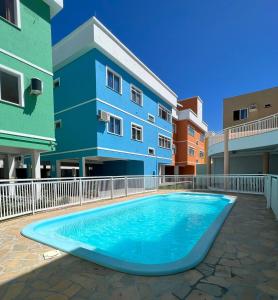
[151, 231]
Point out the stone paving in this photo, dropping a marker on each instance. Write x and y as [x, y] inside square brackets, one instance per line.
[242, 264]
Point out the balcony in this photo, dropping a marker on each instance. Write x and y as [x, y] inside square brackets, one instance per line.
[256, 134]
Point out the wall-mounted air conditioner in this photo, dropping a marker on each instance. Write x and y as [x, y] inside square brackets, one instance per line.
[253, 107]
[36, 86]
[103, 116]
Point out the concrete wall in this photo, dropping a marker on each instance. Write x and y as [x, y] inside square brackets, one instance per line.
[245, 165]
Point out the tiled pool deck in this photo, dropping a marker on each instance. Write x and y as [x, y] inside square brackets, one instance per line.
[242, 264]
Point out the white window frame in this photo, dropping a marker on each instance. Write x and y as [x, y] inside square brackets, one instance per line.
[132, 86]
[20, 86]
[118, 75]
[189, 126]
[58, 121]
[150, 115]
[151, 148]
[56, 80]
[122, 126]
[166, 137]
[17, 15]
[189, 147]
[142, 132]
[168, 112]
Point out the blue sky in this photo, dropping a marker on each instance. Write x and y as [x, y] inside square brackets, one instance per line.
[211, 48]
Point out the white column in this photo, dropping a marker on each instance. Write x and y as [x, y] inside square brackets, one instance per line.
[9, 167]
[36, 165]
[82, 167]
[226, 153]
[176, 170]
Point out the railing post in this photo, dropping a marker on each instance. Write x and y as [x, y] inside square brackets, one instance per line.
[80, 192]
[112, 188]
[193, 184]
[33, 197]
[126, 186]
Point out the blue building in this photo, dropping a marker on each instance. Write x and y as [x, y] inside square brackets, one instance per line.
[113, 115]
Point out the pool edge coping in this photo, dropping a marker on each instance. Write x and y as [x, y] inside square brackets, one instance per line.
[195, 256]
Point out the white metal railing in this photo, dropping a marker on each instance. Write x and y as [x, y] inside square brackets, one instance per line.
[260, 126]
[26, 197]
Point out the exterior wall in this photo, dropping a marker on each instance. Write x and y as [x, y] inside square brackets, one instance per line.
[190, 103]
[260, 98]
[77, 101]
[183, 140]
[27, 50]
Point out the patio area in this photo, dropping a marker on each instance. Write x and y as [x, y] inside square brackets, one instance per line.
[242, 264]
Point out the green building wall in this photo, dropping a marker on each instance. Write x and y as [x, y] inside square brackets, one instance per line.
[28, 50]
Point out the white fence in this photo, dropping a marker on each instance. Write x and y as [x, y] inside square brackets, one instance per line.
[247, 129]
[26, 197]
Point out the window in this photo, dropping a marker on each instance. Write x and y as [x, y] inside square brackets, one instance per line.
[56, 83]
[58, 124]
[115, 125]
[164, 113]
[114, 81]
[136, 96]
[136, 132]
[202, 154]
[240, 114]
[202, 137]
[151, 118]
[9, 10]
[164, 142]
[191, 131]
[151, 151]
[191, 151]
[11, 86]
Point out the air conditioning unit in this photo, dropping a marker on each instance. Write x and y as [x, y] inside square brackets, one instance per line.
[253, 107]
[36, 86]
[103, 116]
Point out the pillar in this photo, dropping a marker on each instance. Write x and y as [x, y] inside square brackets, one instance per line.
[9, 167]
[58, 168]
[82, 167]
[226, 153]
[226, 158]
[36, 165]
[209, 160]
[266, 163]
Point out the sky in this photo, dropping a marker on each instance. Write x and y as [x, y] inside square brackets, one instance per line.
[210, 48]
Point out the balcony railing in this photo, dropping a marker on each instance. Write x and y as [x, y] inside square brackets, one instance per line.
[260, 126]
[28, 197]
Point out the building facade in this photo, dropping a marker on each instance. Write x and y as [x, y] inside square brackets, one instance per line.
[250, 107]
[26, 80]
[250, 146]
[189, 132]
[112, 114]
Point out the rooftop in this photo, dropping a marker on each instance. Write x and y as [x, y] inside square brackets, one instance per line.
[93, 34]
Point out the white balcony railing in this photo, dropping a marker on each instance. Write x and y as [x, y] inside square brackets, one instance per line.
[247, 129]
[27, 197]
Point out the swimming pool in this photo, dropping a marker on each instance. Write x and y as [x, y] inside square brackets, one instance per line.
[154, 235]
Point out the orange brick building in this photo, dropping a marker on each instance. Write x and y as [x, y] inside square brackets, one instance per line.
[189, 132]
